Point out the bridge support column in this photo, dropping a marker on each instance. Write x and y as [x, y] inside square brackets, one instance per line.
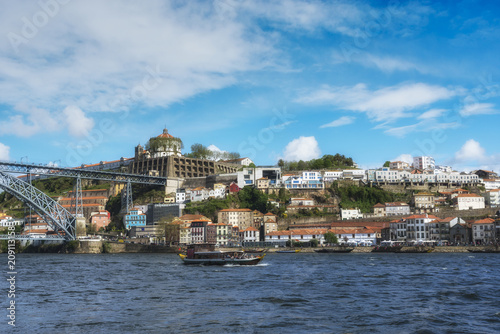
[81, 230]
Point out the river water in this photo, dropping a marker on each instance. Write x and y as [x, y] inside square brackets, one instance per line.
[287, 293]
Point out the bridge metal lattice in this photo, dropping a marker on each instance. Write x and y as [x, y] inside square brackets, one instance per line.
[14, 167]
[60, 219]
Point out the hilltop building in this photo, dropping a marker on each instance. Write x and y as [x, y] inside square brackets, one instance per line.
[162, 157]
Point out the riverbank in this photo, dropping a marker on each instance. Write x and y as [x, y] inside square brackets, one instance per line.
[437, 249]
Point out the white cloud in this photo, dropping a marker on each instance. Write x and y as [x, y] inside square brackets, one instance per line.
[426, 125]
[404, 157]
[478, 109]
[78, 124]
[302, 148]
[4, 152]
[433, 113]
[344, 120]
[386, 104]
[214, 148]
[470, 151]
[473, 156]
[108, 56]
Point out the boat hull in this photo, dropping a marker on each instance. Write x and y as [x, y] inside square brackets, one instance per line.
[347, 250]
[222, 261]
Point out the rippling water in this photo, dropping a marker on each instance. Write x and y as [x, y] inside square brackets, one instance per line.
[287, 293]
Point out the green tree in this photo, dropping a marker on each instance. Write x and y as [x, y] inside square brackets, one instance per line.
[331, 238]
[387, 164]
[253, 199]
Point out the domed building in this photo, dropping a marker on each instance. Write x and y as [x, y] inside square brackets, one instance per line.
[164, 145]
[162, 156]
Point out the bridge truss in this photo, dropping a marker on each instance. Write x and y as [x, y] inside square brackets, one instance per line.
[61, 220]
[58, 218]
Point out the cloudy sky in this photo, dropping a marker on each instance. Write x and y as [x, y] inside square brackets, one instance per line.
[85, 81]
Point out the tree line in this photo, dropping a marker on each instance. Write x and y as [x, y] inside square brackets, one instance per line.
[337, 161]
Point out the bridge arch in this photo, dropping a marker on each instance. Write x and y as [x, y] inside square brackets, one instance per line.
[60, 219]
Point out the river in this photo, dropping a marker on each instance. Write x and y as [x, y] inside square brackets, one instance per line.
[286, 293]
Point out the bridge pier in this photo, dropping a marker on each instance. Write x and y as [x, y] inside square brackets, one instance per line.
[81, 230]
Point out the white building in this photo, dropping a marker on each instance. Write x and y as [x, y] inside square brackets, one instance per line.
[250, 234]
[241, 161]
[346, 214]
[469, 202]
[492, 198]
[399, 165]
[396, 209]
[490, 184]
[483, 231]
[301, 201]
[424, 162]
[181, 195]
[417, 227]
[308, 180]
[249, 176]
[330, 176]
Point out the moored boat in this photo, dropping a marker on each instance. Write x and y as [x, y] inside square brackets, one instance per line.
[289, 251]
[334, 250]
[205, 254]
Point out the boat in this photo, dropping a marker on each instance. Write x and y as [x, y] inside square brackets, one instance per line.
[289, 251]
[255, 250]
[205, 254]
[334, 250]
[387, 247]
[484, 250]
[416, 249]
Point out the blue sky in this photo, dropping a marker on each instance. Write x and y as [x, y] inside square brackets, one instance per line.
[85, 81]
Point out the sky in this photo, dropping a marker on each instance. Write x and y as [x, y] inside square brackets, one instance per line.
[87, 81]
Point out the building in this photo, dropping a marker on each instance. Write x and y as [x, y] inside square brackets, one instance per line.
[249, 176]
[250, 234]
[181, 196]
[155, 233]
[224, 234]
[308, 180]
[399, 165]
[440, 229]
[199, 231]
[301, 201]
[268, 227]
[492, 198]
[397, 209]
[424, 202]
[134, 218]
[157, 212]
[490, 184]
[346, 214]
[486, 174]
[483, 231]
[211, 233]
[241, 161]
[162, 157]
[417, 227]
[234, 188]
[469, 202]
[398, 230]
[242, 218]
[424, 162]
[379, 210]
[100, 219]
[199, 194]
[461, 234]
[263, 183]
